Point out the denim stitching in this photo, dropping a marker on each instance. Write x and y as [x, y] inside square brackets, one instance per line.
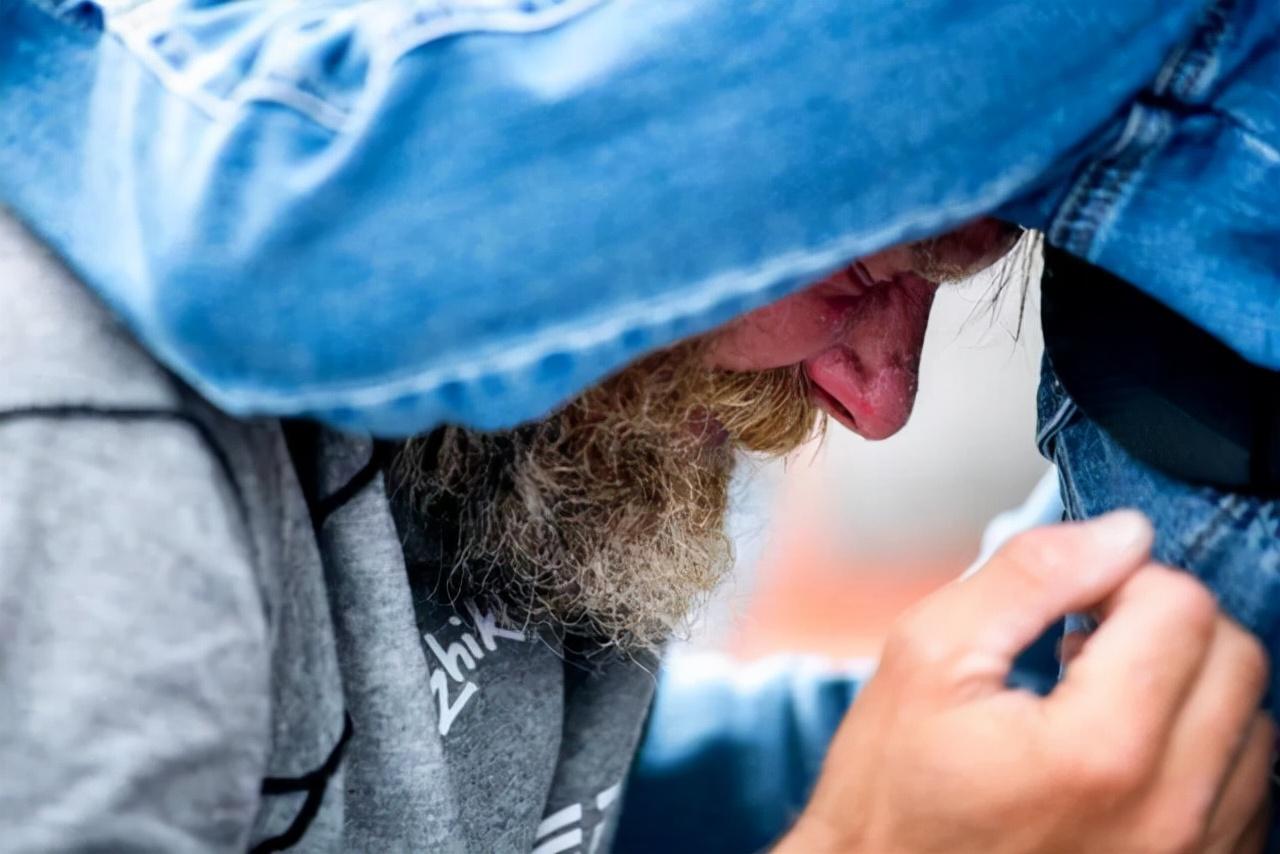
[135, 25]
[1224, 512]
[1066, 481]
[1105, 184]
[1053, 425]
[1047, 441]
[1193, 68]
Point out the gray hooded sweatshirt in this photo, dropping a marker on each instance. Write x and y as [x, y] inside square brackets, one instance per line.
[213, 636]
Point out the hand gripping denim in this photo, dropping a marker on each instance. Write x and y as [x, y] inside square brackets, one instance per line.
[1231, 542]
[394, 213]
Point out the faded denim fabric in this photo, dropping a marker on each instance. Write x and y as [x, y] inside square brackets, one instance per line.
[393, 213]
[1182, 203]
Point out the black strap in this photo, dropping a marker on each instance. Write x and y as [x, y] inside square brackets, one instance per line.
[303, 440]
[326, 506]
[1169, 393]
[314, 784]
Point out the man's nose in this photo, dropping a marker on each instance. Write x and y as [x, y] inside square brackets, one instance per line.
[867, 381]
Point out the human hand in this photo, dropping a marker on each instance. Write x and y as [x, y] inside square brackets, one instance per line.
[1153, 741]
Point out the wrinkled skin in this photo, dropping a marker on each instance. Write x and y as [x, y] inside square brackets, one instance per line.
[859, 332]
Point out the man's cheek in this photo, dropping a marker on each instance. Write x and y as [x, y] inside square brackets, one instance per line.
[781, 334]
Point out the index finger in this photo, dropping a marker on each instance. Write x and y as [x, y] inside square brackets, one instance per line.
[1137, 669]
[985, 620]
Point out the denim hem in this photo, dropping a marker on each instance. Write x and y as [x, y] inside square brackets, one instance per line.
[166, 53]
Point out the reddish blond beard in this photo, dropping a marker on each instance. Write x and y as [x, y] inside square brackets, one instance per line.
[605, 521]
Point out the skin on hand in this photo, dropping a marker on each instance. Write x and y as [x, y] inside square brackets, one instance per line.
[1152, 742]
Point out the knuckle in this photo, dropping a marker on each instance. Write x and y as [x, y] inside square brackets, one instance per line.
[1251, 659]
[914, 646]
[1112, 770]
[1032, 557]
[1188, 599]
[897, 648]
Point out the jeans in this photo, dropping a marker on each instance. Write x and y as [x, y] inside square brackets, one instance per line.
[1230, 542]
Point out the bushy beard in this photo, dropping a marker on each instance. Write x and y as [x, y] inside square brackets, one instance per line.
[604, 522]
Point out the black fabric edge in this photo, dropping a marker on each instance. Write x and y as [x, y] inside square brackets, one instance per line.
[336, 500]
[314, 783]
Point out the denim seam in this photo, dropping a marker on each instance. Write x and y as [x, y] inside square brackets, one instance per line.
[1193, 69]
[1225, 510]
[292, 95]
[1047, 438]
[1066, 482]
[587, 336]
[1103, 191]
[1065, 410]
[1052, 427]
[1106, 184]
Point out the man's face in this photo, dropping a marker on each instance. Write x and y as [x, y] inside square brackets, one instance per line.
[858, 334]
[605, 519]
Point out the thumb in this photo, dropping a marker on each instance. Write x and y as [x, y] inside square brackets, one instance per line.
[986, 619]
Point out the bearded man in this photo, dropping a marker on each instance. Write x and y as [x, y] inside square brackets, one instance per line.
[607, 517]
[224, 630]
[223, 634]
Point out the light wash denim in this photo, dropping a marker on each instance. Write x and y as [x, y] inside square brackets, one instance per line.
[388, 214]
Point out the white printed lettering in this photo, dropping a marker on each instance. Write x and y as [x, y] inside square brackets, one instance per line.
[440, 687]
[450, 658]
[487, 625]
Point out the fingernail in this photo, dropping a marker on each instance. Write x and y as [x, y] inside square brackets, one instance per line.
[1121, 530]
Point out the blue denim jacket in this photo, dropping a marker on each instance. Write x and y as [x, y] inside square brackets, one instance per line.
[393, 213]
